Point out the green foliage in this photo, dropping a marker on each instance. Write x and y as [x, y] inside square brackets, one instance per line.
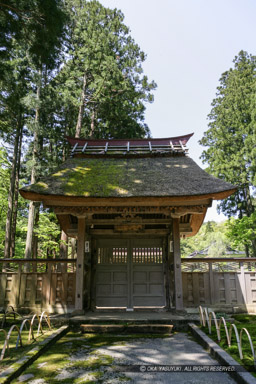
[47, 232]
[212, 236]
[230, 141]
[230, 135]
[35, 23]
[242, 231]
[103, 73]
[43, 67]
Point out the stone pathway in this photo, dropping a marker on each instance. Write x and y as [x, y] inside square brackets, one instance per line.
[95, 359]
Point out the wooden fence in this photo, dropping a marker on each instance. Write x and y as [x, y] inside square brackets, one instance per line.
[222, 282]
[38, 284]
[50, 284]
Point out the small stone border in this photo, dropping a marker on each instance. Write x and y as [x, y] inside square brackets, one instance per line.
[19, 366]
[222, 356]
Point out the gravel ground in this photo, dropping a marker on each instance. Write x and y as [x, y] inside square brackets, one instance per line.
[176, 350]
[179, 349]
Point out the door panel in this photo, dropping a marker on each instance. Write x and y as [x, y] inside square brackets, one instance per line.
[147, 277]
[112, 273]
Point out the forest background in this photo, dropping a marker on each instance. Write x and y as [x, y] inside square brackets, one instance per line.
[72, 69]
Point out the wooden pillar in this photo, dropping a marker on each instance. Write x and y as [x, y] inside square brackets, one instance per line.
[80, 265]
[177, 265]
[88, 267]
[168, 280]
[93, 274]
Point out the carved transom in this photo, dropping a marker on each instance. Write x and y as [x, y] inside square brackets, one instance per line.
[129, 213]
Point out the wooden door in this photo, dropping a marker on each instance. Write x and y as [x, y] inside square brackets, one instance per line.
[129, 273]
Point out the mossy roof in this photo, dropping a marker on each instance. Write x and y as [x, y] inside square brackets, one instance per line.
[129, 177]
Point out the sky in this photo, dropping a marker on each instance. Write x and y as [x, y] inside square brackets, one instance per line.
[189, 44]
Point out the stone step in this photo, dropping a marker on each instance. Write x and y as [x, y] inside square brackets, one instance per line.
[127, 328]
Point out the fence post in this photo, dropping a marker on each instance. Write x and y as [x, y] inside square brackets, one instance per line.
[212, 291]
[242, 281]
[17, 299]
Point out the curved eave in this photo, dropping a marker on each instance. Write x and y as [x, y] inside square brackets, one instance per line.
[69, 200]
[196, 222]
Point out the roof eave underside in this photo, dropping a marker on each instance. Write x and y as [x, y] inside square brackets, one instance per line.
[130, 199]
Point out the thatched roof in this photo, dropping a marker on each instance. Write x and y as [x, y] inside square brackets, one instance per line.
[129, 177]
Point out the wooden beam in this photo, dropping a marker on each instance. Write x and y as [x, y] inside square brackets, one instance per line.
[184, 228]
[104, 232]
[218, 259]
[38, 261]
[80, 265]
[185, 210]
[177, 265]
[119, 220]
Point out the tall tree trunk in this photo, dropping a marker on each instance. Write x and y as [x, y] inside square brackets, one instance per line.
[246, 248]
[63, 251]
[81, 108]
[63, 245]
[32, 204]
[16, 198]
[11, 191]
[250, 210]
[35, 237]
[93, 122]
[248, 199]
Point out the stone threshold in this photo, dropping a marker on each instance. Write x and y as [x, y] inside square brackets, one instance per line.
[127, 329]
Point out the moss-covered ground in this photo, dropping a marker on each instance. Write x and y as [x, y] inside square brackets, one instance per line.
[241, 321]
[77, 358]
[14, 353]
